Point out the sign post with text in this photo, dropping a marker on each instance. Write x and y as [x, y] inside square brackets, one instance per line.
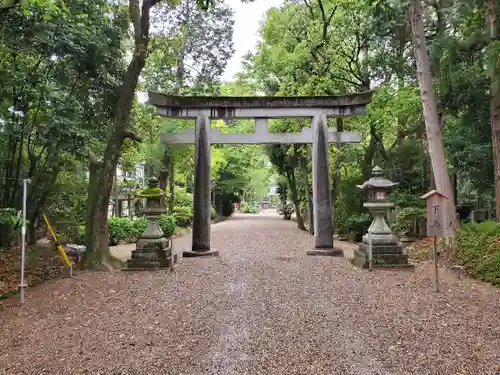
[435, 225]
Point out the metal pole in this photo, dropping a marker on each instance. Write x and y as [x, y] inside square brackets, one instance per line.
[370, 253]
[435, 259]
[23, 240]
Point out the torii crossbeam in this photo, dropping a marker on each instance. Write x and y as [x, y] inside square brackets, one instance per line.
[261, 109]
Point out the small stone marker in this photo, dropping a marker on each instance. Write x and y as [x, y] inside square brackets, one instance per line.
[435, 206]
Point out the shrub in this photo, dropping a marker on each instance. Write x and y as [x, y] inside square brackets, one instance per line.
[357, 225]
[183, 216]
[83, 235]
[478, 248]
[248, 208]
[213, 214]
[167, 224]
[139, 225]
[121, 229]
[182, 198]
[10, 224]
[408, 218]
[286, 210]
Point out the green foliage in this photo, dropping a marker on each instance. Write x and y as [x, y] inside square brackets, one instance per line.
[10, 224]
[213, 213]
[182, 198]
[355, 226]
[122, 229]
[10, 217]
[82, 235]
[139, 225]
[167, 224]
[478, 248]
[411, 209]
[248, 208]
[286, 210]
[408, 219]
[183, 216]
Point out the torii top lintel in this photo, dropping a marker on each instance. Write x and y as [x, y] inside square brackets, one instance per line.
[227, 107]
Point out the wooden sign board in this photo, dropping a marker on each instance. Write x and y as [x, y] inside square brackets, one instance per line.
[435, 207]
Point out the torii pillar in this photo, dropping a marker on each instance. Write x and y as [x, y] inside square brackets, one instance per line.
[322, 200]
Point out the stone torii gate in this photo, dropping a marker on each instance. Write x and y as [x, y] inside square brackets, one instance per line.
[261, 109]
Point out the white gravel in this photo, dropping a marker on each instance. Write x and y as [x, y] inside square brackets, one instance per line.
[262, 307]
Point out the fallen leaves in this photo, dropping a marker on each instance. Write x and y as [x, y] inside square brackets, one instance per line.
[41, 264]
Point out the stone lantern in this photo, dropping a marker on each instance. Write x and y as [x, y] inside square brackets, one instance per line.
[386, 251]
[153, 250]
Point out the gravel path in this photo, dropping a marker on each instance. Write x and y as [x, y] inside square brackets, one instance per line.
[262, 307]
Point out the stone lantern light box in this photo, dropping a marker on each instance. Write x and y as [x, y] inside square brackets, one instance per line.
[386, 250]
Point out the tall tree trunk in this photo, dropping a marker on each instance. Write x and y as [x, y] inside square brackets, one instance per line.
[97, 229]
[431, 117]
[494, 34]
[290, 175]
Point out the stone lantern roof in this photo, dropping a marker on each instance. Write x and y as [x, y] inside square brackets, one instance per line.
[377, 181]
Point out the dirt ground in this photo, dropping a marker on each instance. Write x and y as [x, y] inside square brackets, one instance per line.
[262, 307]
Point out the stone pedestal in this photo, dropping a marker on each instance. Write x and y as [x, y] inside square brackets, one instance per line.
[153, 250]
[322, 201]
[151, 254]
[383, 256]
[386, 250]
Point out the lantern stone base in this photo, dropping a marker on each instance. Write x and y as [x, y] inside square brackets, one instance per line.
[383, 256]
[150, 254]
[326, 252]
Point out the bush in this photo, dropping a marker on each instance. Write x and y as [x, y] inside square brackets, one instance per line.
[408, 219]
[10, 224]
[478, 248]
[121, 229]
[248, 208]
[213, 214]
[167, 224]
[139, 225]
[286, 210]
[83, 235]
[357, 225]
[182, 198]
[183, 216]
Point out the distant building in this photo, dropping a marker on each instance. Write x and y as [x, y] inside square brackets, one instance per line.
[135, 179]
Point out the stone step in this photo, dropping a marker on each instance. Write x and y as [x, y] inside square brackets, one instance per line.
[136, 264]
[381, 249]
[150, 254]
[381, 260]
